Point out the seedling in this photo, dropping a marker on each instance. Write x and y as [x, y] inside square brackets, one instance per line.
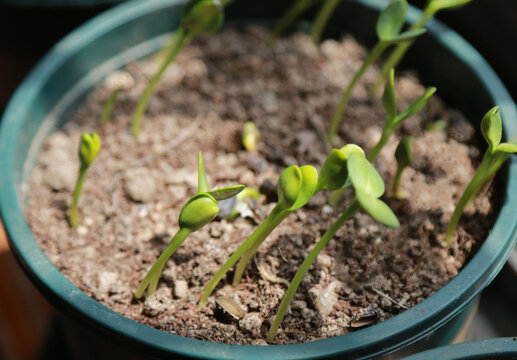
[496, 154]
[116, 82]
[250, 136]
[197, 17]
[389, 27]
[198, 211]
[89, 146]
[430, 10]
[393, 119]
[296, 186]
[368, 186]
[404, 158]
[293, 12]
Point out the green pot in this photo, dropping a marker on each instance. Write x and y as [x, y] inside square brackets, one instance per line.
[491, 349]
[63, 78]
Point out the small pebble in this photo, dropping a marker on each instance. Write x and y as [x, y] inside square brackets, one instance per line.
[324, 260]
[139, 184]
[251, 322]
[180, 289]
[82, 230]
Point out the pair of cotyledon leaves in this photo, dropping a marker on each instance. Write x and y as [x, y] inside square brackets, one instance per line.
[492, 129]
[202, 16]
[392, 18]
[343, 167]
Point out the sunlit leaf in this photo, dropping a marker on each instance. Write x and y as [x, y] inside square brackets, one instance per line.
[308, 186]
[364, 176]
[507, 148]
[492, 127]
[391, 19]
[226, 192]
[289, 185]
[377, 209]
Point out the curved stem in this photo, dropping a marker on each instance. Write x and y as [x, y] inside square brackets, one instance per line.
[153, 274]
[329, 234]
[471, 190]
[180, 40]
[265, 228]
[386, 134]
[322, 19]
[108, 107]
[400, 50]
[336, 119]
[294, 11]
[73, 216]
[241, 266]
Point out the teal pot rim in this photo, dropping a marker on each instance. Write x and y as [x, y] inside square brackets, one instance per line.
[499, 348]
[58, 3]
[384, 337]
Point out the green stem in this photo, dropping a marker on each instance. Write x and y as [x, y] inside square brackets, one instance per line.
[386, 134]
[396, 180]
[73, 216]
[178, 43]
[336, 119]
[265, 228]
[294, 11]
[483, 172]
[322, 19]
[241, 266]
[108, 107]
[154, 273]
[329, 234]
[400, 50]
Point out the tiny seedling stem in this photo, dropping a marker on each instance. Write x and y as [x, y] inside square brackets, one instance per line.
[181, 38]
[261, 232]
[336, 119]
[322, 19]
[153, 275]
[292, 13]
[72, 214]
[386, 134]
[329, 234]
[107, 109]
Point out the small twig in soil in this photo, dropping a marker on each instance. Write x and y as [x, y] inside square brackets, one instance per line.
[387, 297]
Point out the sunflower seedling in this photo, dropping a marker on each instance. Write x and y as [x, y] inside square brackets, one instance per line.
[431, 9]
[296, 186]
[197, 17]
[89, 146]
[115, 82]
[393, 119]
[197, 212]
[404, 158]
[389, 27]
[496, 154]
[369, 187]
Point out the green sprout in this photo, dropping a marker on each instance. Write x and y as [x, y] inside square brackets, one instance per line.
[89, 146]
[496, 154]
[197, 17]
[369, 187]
[404, 158]
[393, 119]
[430, 10]
[115, 82]
[322, 19]
[296, 186]
[250, 136]
[293, 12]
[438, 125]
[197, 212]
[389, 27]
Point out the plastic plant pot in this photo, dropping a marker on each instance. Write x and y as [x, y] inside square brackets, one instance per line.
[490, 349]
[132, 30]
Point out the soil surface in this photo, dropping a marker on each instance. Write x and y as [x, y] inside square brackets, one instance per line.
[135, 189]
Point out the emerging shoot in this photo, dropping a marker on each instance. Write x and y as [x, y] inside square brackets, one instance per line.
[404, 158]
[368, 187]
[88, 148]
[250, 136]
[389, 27]
[116, 82]
[197, 17]
[432, 7]
[197, 212]
[496, 154]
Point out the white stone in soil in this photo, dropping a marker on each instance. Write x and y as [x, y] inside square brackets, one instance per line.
[326, 298]
[140, 184]
[180, 289]
[251, 322]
